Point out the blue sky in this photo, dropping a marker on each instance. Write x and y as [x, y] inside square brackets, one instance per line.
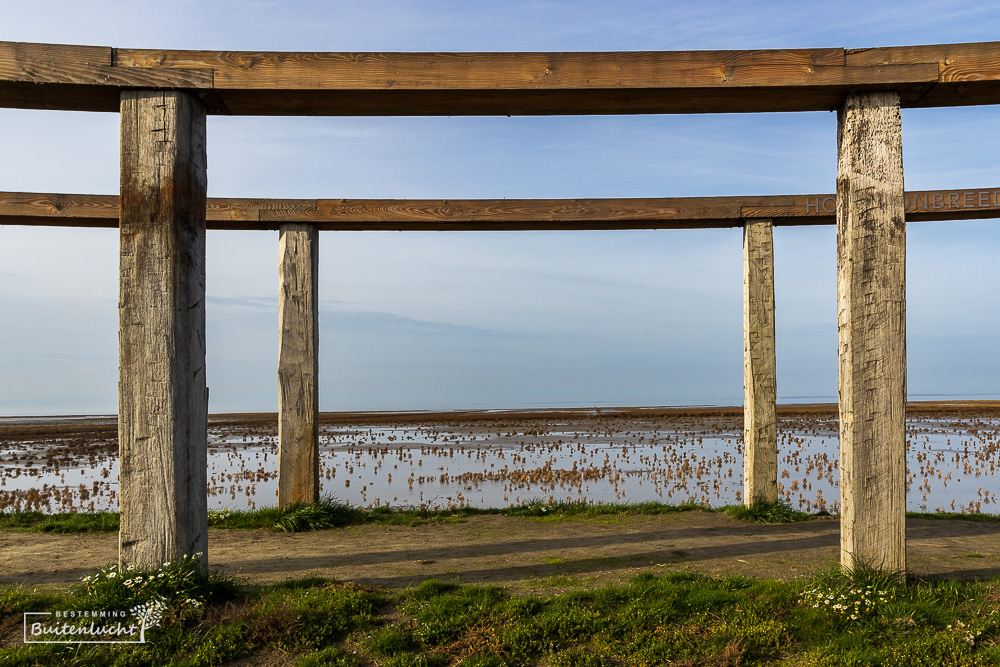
[451, 320]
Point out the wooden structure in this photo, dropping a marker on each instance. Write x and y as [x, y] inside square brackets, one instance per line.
[298, 364]
[162, 396]
[163, 97]
[76, 210]
[871, 330]
[760, 381]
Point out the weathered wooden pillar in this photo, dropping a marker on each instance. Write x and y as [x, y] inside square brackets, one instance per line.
[298, 365]
[871, 295]
[760, 433]
[162, 395]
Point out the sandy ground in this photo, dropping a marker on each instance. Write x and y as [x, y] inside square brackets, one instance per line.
[524, 553]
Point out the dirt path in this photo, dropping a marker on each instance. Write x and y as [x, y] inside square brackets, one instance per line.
[525, 553]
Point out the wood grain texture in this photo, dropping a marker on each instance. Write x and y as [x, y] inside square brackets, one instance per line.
[87, 65]
[304, 83]
[944, 54]
[162, 395]
[514, 214]
[958, 66]
[871, 322]
[298, 364]
[920, 205]
[462, 69]
[27, 208]
[237, 211]
[760, 433]
[58, 209]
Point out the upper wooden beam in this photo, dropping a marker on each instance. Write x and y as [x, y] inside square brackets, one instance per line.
[88, 78]
[26, 208]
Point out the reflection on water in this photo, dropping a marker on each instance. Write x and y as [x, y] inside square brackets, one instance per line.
[595, 458]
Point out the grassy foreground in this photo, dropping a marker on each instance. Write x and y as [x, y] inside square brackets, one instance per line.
[681, 618]
[858, 618]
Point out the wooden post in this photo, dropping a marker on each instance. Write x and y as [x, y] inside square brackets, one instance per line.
[298, 365]
[871, 322]
[760, 433]
[162, 395]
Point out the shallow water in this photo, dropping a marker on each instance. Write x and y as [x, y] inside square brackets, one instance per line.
[952, 464]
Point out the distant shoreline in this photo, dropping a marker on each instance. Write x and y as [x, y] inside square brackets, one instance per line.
[75, 423]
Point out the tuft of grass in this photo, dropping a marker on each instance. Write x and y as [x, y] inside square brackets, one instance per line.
[858, 595]
[326, 513]
[391, 641]
[264, 517]
[180, 583]
[764, 511]
[331, 656]
[329, 613]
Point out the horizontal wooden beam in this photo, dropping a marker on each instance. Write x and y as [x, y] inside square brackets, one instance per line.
[89, 78]
[64, 210]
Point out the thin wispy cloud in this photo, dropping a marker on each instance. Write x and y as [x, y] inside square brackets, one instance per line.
[504, 319]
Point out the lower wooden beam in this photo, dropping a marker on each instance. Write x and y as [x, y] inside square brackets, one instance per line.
[871, 323]
[162, 395]
[760, 434]
[298, 365]
[27, 208]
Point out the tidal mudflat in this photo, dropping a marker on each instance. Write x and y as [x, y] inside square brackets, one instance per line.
[497, 458]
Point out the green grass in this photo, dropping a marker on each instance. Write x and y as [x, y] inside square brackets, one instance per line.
[542, 509]
[327, 513]
[67, 522]
[763, 511]
[331, 513]
[680, 618]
